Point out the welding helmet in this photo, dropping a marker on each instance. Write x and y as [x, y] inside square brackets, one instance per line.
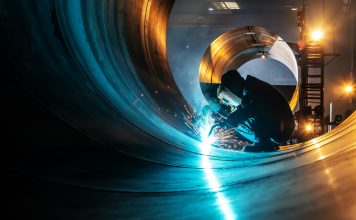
[228, 93]
[233, 82]
[227, 98]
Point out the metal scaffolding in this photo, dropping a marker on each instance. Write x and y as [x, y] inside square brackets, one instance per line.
[312, 64]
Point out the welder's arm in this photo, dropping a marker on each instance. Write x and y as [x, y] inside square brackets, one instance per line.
[237, 117]
[232, 121]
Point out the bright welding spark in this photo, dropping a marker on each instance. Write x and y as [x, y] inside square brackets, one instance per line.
[200, 127]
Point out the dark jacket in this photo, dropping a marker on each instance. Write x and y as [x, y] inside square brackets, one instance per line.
[263, 109]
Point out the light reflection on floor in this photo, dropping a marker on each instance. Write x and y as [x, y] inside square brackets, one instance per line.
[213, 182]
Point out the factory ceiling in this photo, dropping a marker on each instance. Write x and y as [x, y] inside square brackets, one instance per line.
[207, 12]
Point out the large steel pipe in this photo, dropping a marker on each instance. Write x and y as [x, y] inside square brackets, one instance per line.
[238, 46]
[101, 67]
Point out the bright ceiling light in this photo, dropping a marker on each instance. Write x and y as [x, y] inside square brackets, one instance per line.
[230, 5]
[317, 35]
[348, 89]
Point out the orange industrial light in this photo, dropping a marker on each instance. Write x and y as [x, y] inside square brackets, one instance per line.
[308, 127]
[348, 89]
[317, 35]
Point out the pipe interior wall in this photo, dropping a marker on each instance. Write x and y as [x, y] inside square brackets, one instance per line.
[99, 70]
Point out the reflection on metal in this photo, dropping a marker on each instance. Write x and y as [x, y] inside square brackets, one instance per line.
[294, 100]
[240, 45]
[343, 135]
[213, 182]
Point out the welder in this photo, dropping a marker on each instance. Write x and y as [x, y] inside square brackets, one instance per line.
[256, 110]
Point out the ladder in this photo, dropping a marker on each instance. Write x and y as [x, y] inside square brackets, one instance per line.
[312, 85]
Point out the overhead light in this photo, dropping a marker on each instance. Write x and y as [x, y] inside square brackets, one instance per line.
[317, 35]
[229, 5]
[348, 89]
[262, 54]
[211, 9]
[232, 5]
[294, 9]
[309, 127]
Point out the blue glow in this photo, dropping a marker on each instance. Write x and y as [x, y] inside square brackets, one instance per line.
[213, 183]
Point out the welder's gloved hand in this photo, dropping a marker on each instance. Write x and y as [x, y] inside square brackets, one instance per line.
[206, 110]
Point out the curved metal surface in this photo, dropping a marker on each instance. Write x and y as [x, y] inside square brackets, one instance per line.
[235, 47]
[101, 67]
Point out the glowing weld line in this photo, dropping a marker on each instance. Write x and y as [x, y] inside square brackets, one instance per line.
[213, 183]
